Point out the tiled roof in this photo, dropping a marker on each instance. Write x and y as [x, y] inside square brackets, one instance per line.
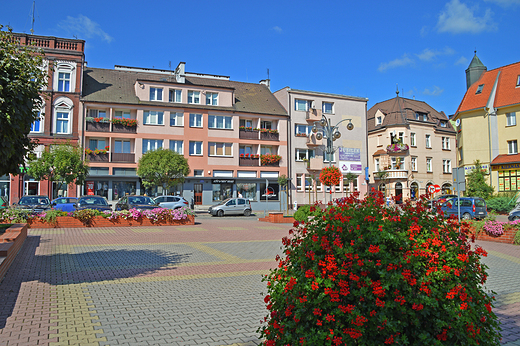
[401, 111]
[379, 152]
[116, 86]
[507, 92]
[506, 158]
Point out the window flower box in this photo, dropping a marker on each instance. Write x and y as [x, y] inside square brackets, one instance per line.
[97, 124]
[397, 147]
[270, 160]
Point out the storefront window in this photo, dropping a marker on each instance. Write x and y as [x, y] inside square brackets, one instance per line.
[4, 186]
[247, 191]
[509, 180]
[124, 188]
[160, 191]
[222, 191]
[99, 188]
[414, 191]
[60, 188]
[271, 193]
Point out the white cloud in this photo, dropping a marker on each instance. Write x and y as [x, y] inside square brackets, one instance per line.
[458, 18]
[83, 27]
[461, 61]
[429, 55]
[277, 29]
[403, 61]
[424, 31]
[505, 3]
[435, 92]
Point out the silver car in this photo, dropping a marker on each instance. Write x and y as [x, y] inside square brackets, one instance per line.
[231, 206]
[171, 202]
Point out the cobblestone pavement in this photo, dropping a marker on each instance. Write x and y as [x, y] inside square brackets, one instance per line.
[188, 285]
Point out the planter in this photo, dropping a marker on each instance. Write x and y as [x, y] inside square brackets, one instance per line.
[10, 243]
[245, 134]
[248, 161]
[507, 237]
[269, 136]
[123, 128]
[99, 221]
[98, 127]
[277, 217]
[272, 164]
[98, 157]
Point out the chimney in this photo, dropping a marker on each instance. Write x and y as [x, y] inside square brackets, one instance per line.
[266, 82]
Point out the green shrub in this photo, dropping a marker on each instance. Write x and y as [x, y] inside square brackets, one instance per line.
[15, 215]
[500, 205]
[363, 274]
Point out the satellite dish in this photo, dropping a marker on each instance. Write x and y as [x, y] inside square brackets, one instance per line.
[457, 122]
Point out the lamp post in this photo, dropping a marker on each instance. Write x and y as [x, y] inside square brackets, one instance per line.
[331, 132]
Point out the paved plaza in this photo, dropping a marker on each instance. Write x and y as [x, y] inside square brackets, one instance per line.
[186, 285]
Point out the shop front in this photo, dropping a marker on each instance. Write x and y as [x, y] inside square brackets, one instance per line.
[508, 177]
[5, 186]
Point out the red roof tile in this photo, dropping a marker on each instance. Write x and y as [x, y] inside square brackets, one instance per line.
[506, 158]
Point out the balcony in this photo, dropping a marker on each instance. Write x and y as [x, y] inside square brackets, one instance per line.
[313, 141]
[248, 134]
[313, 115]
[123, 157]
[98, 157]
[315, 164]
[249, 161]
[124, 128]
[98, 126]
[268, 136]
[391, 174]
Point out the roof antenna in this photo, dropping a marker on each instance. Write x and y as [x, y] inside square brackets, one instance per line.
[267, 73]
[32, 26]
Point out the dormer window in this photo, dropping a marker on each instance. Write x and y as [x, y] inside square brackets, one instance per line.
[479, 89]
[444, 124]
[421, 116]
[518, 80]
[379, 120]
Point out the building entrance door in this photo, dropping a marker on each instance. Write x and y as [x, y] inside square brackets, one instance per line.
[398, 193]
[32, 188]
[197, 189]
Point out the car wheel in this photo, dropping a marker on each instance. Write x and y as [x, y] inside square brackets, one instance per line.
[220, 213]
[247, 212]
[466, 216]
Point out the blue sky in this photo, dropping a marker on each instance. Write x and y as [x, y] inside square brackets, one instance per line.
[362, 48]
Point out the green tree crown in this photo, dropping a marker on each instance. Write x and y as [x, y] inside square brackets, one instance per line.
[162, 167]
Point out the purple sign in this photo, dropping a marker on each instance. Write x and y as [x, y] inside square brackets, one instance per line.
[355, 167]
[349, 154]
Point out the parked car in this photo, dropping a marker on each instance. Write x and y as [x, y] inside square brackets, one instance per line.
[231, 206]
[135, 202]
[67, 204]
[4, 203]
[439, 200]
[470, 208]
[93, 202]
[36, 204]
[515, 213]
[171, 202]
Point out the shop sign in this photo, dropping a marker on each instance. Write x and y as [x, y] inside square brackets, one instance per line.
[469, 169]
[223, 181]
[507, 167]
[350, 160]
[90, 188]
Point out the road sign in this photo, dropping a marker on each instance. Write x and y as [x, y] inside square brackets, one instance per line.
[437, 188]
[434, 188]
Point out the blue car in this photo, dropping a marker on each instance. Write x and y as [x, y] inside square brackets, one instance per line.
[67, 204]
[470, 208]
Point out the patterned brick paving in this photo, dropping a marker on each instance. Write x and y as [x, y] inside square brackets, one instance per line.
[189, 285]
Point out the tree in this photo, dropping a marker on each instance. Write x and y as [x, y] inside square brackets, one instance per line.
[162, 167]
[476, 185]
[350, 177]
[21, 80]
[60, 163]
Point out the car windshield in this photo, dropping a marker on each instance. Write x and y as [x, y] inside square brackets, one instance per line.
[224, 201]
[93, 200]
[33, 200]
[140, 200]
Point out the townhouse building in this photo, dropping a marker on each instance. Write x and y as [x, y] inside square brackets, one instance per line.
[59, 116]
[307, 156]
[487, 127]
[233, 134]
[412, 146]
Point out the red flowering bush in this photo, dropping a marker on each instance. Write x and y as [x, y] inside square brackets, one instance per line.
[330, 176]
[269, 159]
[361, 273]
[125, 122]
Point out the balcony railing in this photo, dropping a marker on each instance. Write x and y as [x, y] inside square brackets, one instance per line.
[98, 157]
[98, 126]
[247, 134]
[268, 136]
[249, 161]
[123, 157]
[123, 128]
[313, 141]
[391, 174]
[313, 115]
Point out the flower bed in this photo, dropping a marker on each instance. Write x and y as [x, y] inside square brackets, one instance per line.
[497, 231]
[100, 221]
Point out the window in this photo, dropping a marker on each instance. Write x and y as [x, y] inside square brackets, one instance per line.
[266, 125]
[377, 165]
[446, 166]
[122, 115]
[220, 149]
[175, 95]
[195, 148]
[379, 120]
[62, 122]
[300, 129]
[304, 154]
[195, 120]
[327, 107]
[444, 124]
[512, 147]
[245, 150]
[428, 141]
[479, 89]
[176, 146]
[511, 119]
[401, 137]
[94, 144]
[414, 164]
[445, 143]
[518, 80]
[327, 156]
[461, 154]
[97, 113]
[264, 150]
[198, 173]
[212, 99]
[299, 179]
[63, 81]
[151, 144]
[397, 162]
[122, 146]
[429, 165]
[421, 116]
[413, 141]
[219, 122]
[176, 119]
[37, 125]
[194, 97]
[156, 94]
[302, 105]
[153, 118]
[246, 123]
